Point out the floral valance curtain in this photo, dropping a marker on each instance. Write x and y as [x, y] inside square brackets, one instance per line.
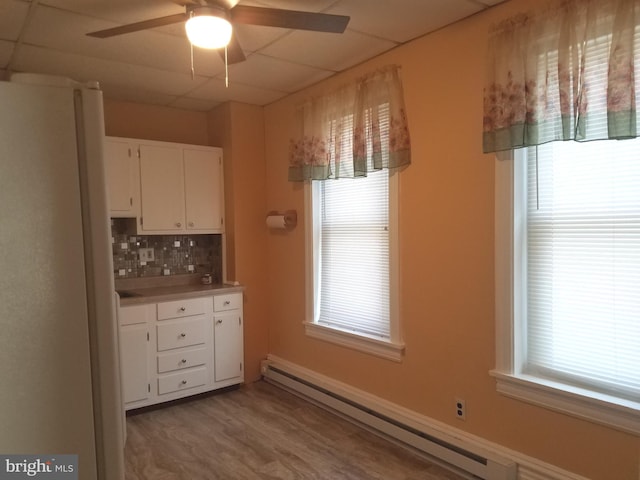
[566, 71]
[355, 129]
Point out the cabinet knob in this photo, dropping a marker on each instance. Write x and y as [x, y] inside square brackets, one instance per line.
[183, 382]
[227, 302]
[182, 335]
[182, 309]
[218, 321]
[184, 360]
[178, 224]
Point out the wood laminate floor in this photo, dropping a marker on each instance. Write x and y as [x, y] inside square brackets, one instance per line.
[260, 431]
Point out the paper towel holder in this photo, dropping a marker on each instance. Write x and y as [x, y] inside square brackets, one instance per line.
[290, 218]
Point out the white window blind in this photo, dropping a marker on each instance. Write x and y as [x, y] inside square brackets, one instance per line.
[354, 254]
[583, 265]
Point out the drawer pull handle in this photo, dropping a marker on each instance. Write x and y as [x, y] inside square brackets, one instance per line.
[183, 382]
[227, 302]
[218, 321]
[182, 335]
[184, 360]
[182, 309]
[178, 224]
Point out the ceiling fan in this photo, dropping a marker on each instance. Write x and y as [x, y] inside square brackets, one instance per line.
[216, 17]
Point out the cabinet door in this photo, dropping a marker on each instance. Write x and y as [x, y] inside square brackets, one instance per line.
[121, 168]
[203, 189]
[134, 358]
[162, 188]
[228, 346]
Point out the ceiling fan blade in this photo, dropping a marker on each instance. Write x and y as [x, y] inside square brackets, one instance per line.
[274, 17]
[234, 51]
[136, 27]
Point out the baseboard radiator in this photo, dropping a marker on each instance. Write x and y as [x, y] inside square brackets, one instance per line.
[467, 463]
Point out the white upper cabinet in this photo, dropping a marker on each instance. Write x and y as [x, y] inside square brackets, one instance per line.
[203, 189]
[121, 163]
[171, 188]
[162, 188]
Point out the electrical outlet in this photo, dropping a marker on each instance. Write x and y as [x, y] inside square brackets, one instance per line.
[146, 254]
[461, 409]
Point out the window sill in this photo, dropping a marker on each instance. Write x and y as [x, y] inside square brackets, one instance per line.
[599, 408]
[373, 346]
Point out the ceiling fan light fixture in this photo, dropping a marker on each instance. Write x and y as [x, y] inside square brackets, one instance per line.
[207, 28]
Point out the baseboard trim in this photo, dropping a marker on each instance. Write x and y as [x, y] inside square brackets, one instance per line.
[528, 468]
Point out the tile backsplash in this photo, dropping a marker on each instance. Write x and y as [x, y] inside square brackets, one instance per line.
[173, 254]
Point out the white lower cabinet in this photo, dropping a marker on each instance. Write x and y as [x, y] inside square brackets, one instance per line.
[175, 349]
[134, 353]
[228, 338]
[228, 346]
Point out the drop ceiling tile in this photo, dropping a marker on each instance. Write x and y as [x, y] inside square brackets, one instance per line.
[489, 2]
[402, 21]
[215, 90]
[254, 37]
[274, 74]
[306, 5]
[83, 68]
[153, 66]
[121, 11]
[329, 51]
[6, 49]
[65, 31]
[13, 13]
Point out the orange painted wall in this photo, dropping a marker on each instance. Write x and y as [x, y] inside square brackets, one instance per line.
[239, 128]
[447, 260]
[150, 122]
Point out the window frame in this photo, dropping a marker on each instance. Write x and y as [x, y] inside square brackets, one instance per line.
[600, 408]
[391, 349]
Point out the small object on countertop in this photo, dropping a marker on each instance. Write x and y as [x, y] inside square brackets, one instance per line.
[206, 279]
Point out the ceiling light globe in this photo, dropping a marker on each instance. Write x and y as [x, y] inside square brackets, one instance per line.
[206, 31]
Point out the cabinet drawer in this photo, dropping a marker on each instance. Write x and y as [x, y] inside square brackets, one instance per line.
[133, 314]
[183, 333]
[174, 382]
[230, 301]
[169, 362]
[182, 308]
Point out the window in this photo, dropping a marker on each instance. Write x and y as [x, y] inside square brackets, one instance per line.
[351, 258]
[567, 215]
[583, 265]
[568, 279]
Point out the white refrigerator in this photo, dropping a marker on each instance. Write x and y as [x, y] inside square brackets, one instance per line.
[59, 371]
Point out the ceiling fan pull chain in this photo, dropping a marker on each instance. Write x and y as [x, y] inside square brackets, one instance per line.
[192, 70]
[226, 68]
